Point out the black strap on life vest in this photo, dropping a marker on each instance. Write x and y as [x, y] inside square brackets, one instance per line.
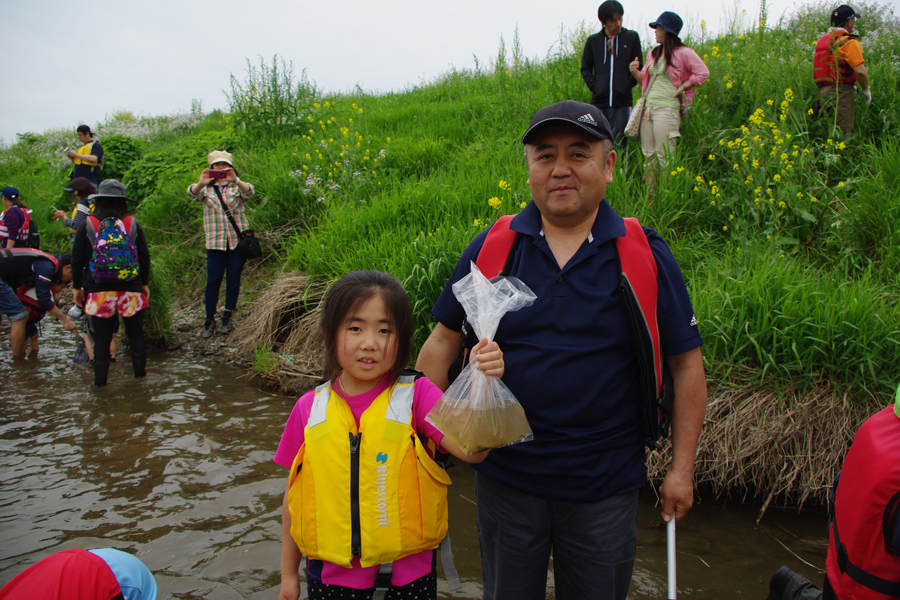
[657, 387]
[873, 582]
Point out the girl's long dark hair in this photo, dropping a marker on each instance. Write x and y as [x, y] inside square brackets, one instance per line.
[349, 293]
[671, 42]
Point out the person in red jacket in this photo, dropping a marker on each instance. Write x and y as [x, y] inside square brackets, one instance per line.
[838, 66]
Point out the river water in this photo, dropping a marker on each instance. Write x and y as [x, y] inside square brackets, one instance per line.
[177, 469]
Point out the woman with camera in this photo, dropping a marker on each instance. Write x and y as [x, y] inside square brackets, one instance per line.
[223, 195]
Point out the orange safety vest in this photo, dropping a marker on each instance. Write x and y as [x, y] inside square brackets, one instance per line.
[827, 60]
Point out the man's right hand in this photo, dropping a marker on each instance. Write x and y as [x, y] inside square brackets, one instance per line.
[68, 325]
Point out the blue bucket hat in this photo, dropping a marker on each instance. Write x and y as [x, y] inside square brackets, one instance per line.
[670, 22]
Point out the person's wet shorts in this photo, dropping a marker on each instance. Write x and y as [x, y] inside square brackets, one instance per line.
[10, 304]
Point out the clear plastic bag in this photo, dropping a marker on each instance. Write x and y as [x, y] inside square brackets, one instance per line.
[478, 412]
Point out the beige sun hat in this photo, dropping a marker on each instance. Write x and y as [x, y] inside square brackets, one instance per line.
[220, 156]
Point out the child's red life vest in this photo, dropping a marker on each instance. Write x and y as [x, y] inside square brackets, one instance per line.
[639, 289]
[827, 60]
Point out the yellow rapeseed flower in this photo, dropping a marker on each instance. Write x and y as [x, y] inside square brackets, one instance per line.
[494, 202]
[712, 157]
[840, 184]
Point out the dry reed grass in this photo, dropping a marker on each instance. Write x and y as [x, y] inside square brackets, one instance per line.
[284, 324]
[784, 448]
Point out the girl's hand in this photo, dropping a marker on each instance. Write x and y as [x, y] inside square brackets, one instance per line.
[448, 445]
[634, 66]
[60, 214]
[487, 357]
[230, 175]
[290, 588]
[78, 297]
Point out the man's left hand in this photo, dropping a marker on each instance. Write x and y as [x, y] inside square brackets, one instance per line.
[866, 95]
[677, 494]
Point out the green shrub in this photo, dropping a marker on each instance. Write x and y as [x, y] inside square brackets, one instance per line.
[119, 154]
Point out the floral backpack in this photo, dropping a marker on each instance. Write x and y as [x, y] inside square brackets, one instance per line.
[115, 255]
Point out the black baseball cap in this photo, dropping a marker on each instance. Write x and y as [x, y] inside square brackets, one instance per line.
[586, 116]
[842, 14]
[84, 129]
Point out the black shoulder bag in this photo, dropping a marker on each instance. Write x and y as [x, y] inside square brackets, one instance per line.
[248, 244]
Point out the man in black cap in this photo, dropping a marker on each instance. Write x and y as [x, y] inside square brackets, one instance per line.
[606, 68]
[838, 66]
[88, 158]
[572, 361]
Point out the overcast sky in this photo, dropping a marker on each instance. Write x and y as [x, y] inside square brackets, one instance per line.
[64, 63]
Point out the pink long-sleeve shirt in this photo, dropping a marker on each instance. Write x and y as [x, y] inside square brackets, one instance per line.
[686, 66]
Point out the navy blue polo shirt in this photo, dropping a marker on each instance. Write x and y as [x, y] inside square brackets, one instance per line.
[571, 362]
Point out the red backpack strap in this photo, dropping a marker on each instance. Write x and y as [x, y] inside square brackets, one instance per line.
[499, 241]
[130, 227]
[640, 270]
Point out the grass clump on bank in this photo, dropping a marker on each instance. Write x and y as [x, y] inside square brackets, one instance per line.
[787, 233]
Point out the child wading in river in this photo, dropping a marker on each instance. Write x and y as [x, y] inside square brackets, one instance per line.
[363, 491]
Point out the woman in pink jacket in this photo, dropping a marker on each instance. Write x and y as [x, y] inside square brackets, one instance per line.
[668, 98]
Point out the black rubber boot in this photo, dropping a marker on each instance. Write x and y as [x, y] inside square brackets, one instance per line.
[139, 362]
[101, 370]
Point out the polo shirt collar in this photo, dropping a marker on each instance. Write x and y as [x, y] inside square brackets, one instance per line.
[607, 226]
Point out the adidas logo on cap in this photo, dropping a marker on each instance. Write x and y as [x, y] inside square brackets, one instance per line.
[587, 118]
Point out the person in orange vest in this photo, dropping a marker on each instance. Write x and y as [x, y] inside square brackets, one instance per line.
[839, 67]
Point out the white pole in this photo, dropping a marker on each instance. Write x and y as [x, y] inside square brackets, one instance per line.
[670, 557]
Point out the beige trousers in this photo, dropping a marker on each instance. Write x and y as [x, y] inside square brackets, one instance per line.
[659, 130]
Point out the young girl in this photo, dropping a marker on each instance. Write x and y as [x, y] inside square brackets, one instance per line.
[362, 491]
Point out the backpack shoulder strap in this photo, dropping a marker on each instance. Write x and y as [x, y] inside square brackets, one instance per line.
[130, 227]
[91, 225]
[492, 257]
[640, 290]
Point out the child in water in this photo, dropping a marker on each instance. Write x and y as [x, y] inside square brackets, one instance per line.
[362, 491]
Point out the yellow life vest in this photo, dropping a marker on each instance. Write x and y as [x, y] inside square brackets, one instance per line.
[373, 492]
[84, 150]
[75, 212]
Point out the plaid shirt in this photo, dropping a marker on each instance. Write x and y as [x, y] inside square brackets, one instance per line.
[220, 235]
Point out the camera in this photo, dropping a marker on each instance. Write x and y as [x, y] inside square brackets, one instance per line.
[217, 173]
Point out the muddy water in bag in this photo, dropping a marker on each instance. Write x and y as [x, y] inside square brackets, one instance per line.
[479, 412]
[177, 468]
